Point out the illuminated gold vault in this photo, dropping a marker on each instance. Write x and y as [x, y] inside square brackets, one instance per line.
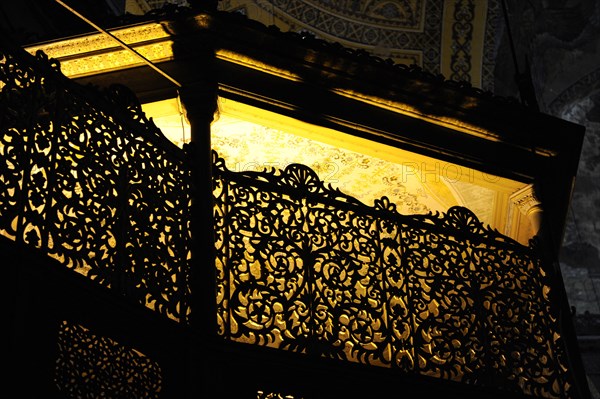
[417, 184]
[250, 139]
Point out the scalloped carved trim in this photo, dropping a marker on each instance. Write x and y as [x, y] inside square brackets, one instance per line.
[304, 181]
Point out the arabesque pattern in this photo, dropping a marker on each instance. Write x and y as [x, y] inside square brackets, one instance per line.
[90, 366]
[88, 179]
[300, 266]
[305, 268]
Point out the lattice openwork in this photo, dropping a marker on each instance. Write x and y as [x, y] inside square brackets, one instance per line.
[91, 181]
[91, 366]
[305, 268]
[300, 266]
[273, 395]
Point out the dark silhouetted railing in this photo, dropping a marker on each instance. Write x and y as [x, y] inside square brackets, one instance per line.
[91, 182]
[305, 268]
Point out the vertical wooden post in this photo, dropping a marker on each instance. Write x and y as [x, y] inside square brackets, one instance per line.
[194, 54]
[199, 102]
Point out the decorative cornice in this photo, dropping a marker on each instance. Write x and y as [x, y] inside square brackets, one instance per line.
[526, 200]
[98, 53]
[310, 41]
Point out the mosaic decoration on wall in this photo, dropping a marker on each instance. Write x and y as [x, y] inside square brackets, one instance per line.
[422, 20]
[305, 268]
[90, 366]
[407, 31]
[490, 43]
[399, 14]
[462, 36]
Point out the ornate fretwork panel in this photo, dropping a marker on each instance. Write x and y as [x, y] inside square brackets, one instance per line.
[88, 179]
[300, 266]
[273, 395]
[92, 366]
[305, 268]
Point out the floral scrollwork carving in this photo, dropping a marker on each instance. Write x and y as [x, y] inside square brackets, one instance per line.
[385, 204]
[83, 361]
[462, 218]
[439, 295]
[93, 183]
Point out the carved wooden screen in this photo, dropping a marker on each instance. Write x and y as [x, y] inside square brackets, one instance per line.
[88, 365]
[300, 266]
[305, 268]
[89, 180]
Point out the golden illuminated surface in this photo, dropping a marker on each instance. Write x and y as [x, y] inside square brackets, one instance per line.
[251, 139]
[249, 146]
[168, 115]
[96, 53]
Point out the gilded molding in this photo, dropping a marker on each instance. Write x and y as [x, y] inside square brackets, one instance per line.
[97, 53]
[524, 214]
[526, 200]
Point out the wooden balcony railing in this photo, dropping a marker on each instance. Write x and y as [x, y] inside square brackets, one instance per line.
[87, 178]
[301, 267]
[305, 268]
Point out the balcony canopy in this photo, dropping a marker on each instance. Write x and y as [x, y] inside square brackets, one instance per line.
[393, 137]
[437, 143]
